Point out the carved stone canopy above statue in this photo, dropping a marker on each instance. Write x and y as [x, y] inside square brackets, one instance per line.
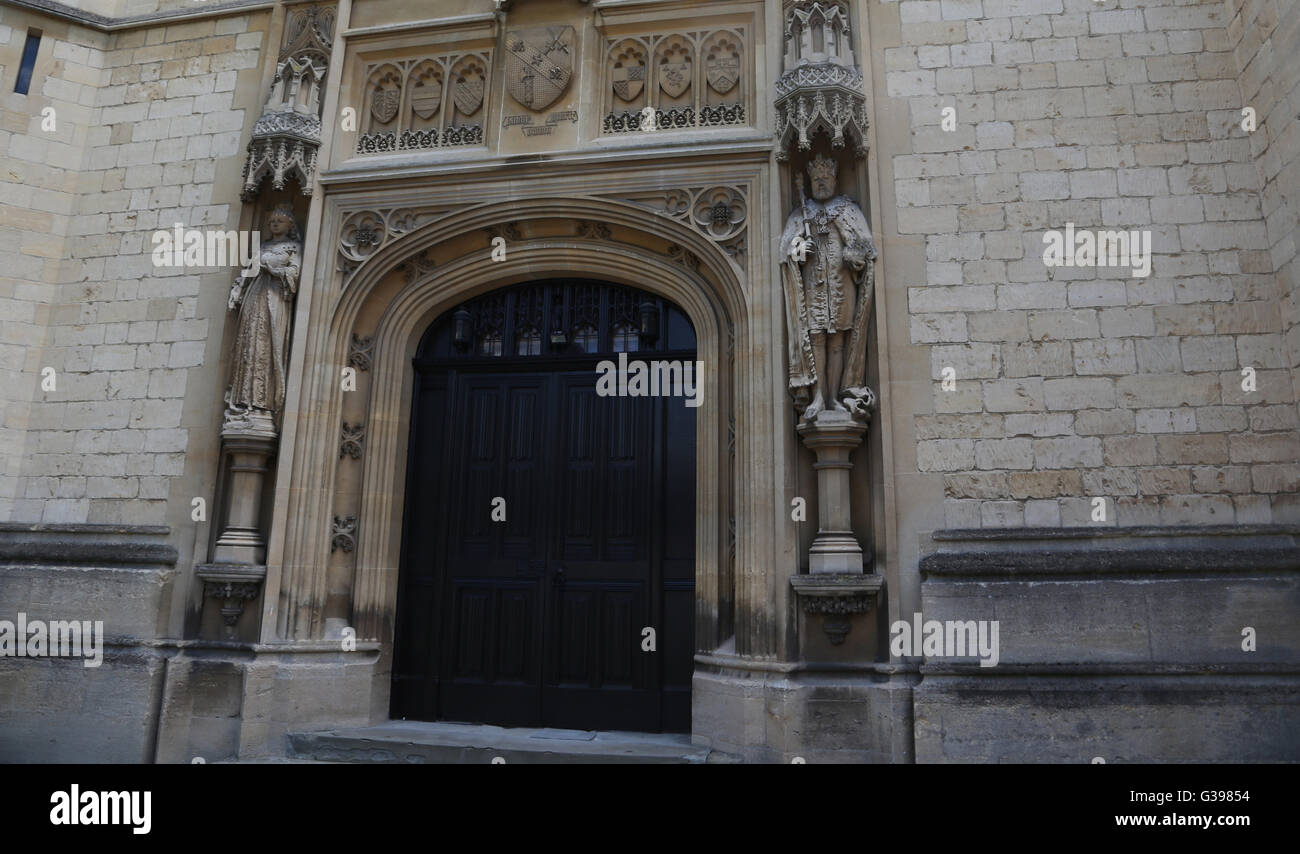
[287, 135]
[821, 89]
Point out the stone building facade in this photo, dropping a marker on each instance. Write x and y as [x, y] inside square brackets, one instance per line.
[1101, 455]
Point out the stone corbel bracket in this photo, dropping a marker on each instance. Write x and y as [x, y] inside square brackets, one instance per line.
[837, 598]
[232, 584]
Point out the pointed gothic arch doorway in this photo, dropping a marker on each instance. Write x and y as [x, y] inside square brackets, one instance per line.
[539, 619]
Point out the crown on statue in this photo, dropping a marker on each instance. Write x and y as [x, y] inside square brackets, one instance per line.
[822, 167]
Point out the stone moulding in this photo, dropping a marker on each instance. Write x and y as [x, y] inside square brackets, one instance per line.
[837, 598]
[549, 224]
[86, 544]
[1057, 553]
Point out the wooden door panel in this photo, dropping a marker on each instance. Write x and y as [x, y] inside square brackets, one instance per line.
[493, 608]
[537, 620]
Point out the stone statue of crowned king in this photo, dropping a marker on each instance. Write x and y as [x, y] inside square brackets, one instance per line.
[827, 274]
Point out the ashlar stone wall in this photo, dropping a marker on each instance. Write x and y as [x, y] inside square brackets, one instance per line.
[1264, 35]
[1076, 383]
[148, 133]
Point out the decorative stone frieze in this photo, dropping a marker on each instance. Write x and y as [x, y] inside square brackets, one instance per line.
[675, 80]
[425, 102]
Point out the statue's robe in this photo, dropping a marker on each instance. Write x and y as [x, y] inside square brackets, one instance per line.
[259, 363]
[815, 291]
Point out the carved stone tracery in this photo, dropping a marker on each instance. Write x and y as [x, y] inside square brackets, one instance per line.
[720, 212]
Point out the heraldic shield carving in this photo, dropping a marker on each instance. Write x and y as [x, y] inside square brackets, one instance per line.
[539, 64]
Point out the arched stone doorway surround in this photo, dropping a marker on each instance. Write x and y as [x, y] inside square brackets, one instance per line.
[439, 257]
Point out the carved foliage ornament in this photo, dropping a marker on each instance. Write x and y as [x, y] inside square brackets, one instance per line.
[366, 232]
[359, 351]
[354, 436]
[344, 535]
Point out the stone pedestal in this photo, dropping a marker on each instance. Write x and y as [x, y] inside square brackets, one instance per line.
[249, 444]
[832, 436]
[238, 567]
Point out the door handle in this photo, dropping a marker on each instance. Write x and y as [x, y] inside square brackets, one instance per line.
[558, 578]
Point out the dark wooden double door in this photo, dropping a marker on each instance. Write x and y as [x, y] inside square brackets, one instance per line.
[541, 619]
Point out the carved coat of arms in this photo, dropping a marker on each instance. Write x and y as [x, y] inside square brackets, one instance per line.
[425, 100]
[539, 64]
[722, 72]
[383, 104]
[628, 81]
[675, 77]
[468, 94]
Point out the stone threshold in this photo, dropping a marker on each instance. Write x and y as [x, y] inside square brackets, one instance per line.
[423, 742]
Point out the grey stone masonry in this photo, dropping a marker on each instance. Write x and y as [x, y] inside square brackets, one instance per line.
[1172, 395]
[123, 133]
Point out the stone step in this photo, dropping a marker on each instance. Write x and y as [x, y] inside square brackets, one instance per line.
[419, 742]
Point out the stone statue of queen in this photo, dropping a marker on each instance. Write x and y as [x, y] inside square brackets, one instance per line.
[264, 294]
[827, 261]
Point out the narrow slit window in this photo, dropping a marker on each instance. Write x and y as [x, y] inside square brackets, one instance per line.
[24, 80]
